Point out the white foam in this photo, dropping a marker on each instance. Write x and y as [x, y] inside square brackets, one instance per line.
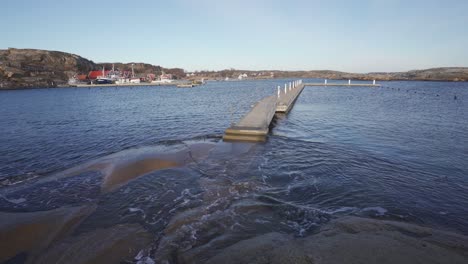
[379, 210]
[139, 255]
[15, 201]
[341, 210]
[134, 210]
[146, 260]
[260, 221]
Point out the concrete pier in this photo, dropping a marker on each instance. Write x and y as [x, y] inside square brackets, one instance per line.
[255, 125]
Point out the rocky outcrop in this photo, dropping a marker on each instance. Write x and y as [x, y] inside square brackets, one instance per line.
[31, 68]
[352, 240]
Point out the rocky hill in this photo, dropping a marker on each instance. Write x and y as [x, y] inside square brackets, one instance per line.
[30, 68]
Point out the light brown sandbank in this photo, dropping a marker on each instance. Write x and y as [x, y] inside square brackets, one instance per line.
[111, 245]
[31, 233]
[126, 171]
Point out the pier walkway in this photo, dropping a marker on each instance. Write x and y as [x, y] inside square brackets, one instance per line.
[285, 101]
[255, 125]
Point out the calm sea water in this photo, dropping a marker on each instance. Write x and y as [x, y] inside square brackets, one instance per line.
[399, 151]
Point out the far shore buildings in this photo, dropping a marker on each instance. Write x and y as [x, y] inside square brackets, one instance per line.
[121, 76]
[242, 76]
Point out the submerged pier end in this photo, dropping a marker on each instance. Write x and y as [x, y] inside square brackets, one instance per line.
[255, 125]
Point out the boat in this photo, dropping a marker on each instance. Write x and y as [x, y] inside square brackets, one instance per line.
[122, 81]
[133, 79]
[164, 79]
[104, 77]
[103, 81]
[189, 85]
[125, 79]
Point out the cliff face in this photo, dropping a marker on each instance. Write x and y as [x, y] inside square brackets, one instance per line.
[30, 68]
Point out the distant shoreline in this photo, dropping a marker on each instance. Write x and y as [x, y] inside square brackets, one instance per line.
[32, 69]
[213, 80]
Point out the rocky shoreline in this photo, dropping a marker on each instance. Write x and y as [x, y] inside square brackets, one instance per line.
[347, 239]
[352, 240]
[32, 68]
[202, 233]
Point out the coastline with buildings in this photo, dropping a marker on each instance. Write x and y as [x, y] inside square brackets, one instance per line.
[30, 68]
[259, 132]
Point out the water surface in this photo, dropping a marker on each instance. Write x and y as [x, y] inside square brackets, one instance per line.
[394, 152]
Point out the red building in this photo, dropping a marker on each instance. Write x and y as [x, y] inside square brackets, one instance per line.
[81, 77]
[92, 75]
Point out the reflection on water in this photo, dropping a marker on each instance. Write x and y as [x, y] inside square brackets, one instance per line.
[154, 165]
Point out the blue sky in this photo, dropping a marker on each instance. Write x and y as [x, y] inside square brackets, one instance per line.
[353, 36]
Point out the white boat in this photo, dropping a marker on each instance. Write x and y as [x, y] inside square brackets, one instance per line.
[162, 81]
[122, 81]
[135, 80]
